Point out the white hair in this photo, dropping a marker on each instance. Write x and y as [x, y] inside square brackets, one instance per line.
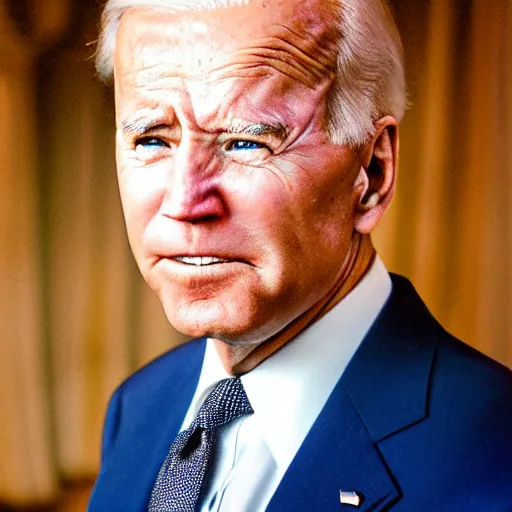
[369, 82]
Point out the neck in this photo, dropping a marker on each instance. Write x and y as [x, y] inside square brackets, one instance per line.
[238, 360]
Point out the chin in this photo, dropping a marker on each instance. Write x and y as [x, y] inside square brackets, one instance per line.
[198, 318]
[213, 318]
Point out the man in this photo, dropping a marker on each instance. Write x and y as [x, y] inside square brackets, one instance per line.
[257, 146]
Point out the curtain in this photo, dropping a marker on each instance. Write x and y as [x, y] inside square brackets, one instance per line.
[26, 463]
[450, 228]
[76, 316]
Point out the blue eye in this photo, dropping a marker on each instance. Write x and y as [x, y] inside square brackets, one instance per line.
[151, 142]
[243, 145]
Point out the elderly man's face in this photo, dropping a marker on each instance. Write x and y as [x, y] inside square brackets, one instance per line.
[239, 208]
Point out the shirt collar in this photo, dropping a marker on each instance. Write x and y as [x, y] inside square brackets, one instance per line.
[288, 390]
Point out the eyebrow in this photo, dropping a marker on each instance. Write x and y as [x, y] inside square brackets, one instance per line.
[277, 130]
[141, 125]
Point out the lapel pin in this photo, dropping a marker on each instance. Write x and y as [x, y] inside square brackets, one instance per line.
[352, 498]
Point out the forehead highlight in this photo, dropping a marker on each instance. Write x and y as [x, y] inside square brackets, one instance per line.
[212, 44]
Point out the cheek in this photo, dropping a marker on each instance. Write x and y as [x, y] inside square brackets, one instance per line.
[142, 192]
[322, 215]
[331, 213]
[288, 208]
[258, 198]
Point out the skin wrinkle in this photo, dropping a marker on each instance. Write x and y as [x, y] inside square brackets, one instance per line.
[251, 71]
[314, 58]
[143, 127]
[321, 49]
[255, 70]
[279, 60]
[311, 64]
[284, 141]
[157, 86]
[276, 170]
[280, 53]
[255, 63]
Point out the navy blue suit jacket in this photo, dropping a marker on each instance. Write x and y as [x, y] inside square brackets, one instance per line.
[419, 422]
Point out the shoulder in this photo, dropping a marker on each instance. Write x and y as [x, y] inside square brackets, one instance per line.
[463, 382]
[471, 402]
[460, 368]
[463, 445]
[172, 366]
[165, 384]
[466, 439]
[453, 359]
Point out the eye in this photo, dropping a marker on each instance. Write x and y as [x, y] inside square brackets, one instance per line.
[244, 145]
[151, 142]
[150, 149]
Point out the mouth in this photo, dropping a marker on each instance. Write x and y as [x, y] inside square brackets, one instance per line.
[200, 261]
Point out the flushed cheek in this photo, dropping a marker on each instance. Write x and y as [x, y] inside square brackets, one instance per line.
[329, 225]
[263, 208]
[311, 219]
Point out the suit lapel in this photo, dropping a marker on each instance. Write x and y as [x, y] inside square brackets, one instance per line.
[389, 375]
[152, 420]
[383, 391]
[337, 454]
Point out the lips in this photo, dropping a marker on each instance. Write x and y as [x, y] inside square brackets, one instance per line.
[200, 261]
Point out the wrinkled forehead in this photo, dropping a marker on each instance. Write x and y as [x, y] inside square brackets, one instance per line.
[302, 34]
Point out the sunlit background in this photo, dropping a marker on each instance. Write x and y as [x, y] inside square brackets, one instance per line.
[75, 316]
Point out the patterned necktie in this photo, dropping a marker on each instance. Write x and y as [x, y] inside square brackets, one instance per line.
[178, 485]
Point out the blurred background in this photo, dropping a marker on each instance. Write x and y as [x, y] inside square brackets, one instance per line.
[75, 317]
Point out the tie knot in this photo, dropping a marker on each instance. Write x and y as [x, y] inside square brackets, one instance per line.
[226, 402]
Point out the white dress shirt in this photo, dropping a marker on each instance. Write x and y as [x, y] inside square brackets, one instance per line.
[287, 393]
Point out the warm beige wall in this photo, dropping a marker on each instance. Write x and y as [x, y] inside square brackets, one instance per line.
[76, 317]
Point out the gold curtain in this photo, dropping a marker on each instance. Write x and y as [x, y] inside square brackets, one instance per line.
[26, 462]
[76, 316]
[450, 227]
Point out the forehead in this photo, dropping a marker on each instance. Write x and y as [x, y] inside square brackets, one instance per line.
[295, 38]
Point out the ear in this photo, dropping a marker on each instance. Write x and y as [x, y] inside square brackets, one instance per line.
[376, 179]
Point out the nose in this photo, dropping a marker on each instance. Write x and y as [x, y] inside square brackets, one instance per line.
[192, 192]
